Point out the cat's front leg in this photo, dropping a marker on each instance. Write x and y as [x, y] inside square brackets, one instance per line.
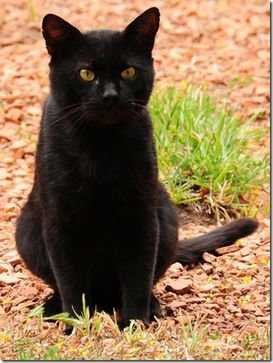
[137, 258]
[66, 259]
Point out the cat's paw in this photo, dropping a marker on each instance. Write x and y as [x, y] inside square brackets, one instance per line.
[125, 323]
[53, 305]
[155, 311]
[68, 330]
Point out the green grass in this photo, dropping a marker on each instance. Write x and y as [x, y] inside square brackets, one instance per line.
[185, 340]
[98, 337]
[205, 153]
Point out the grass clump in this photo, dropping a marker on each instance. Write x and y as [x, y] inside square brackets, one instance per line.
[205, 153]
[184, 340]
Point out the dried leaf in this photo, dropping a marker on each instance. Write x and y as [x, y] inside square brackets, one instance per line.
[8, 278]
[209, 257]
[180, 286]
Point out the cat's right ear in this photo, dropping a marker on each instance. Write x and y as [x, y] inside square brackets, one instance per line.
[58, 33]
[140, 33]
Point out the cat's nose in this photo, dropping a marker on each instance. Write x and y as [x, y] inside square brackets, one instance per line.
[110, 95]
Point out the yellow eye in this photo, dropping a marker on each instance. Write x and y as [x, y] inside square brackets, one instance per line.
[87, 75]
[128, 73]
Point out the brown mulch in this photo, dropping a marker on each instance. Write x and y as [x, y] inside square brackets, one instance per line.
[223, 45]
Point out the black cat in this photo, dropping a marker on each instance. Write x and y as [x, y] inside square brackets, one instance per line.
[97, 220]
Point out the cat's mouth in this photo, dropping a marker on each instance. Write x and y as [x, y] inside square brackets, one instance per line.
[117, 112]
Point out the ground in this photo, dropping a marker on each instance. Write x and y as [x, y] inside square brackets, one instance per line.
[223, 45]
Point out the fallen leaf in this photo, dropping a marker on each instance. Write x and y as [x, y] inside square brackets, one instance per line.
[5, 267]
[8, 278]
[209, 257]
[12, 257]
[14, 115]
[245, 251]
[206, 287]
[179, 286]
[227, 249]
[207, 267]
[177, 304]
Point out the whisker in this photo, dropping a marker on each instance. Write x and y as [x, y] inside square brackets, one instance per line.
[66, 115]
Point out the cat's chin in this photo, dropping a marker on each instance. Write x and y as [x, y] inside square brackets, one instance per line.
[116, 115]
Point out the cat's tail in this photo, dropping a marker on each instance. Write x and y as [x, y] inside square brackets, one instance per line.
[190, 251]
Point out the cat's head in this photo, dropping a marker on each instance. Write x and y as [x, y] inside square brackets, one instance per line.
[102, 72]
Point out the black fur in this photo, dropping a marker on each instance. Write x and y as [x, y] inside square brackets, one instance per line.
[190, 251]
[97, 220]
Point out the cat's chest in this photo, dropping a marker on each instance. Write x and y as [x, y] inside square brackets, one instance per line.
[105, 168]
[109, 169]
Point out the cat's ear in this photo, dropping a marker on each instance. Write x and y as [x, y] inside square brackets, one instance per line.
[58, 32]
[141, 32]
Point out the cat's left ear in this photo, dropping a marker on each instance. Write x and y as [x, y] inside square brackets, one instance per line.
[141, 32]
[58, 33]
